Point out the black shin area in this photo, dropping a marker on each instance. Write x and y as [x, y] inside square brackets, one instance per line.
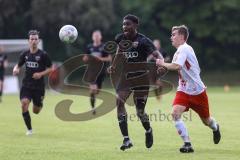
[27, 120]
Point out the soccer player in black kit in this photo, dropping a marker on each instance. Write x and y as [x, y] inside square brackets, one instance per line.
[141, 48]
[3, 65]
[97, 49]
[37, 64]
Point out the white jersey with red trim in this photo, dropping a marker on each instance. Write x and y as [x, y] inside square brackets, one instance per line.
[189, 75]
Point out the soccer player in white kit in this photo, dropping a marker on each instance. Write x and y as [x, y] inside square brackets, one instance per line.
[191, 91]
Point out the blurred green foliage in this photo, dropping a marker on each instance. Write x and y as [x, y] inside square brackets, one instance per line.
[214, 26]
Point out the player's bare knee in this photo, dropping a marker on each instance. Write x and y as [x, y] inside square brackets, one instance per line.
[206, 121]
[177, 112]
[25, 102]
[97, 91]
[36, 110]
[175, 115]
[91, 91]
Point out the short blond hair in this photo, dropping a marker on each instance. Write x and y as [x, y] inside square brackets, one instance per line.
[183, 30]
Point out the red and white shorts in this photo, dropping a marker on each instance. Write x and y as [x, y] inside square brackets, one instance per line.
[198, 103]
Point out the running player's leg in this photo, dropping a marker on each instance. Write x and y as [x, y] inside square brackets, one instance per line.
[122, 118]
[25, 97]
[100, 80]
[93, 92]
[180, 105]
[38, 97]
[201, 106]
[140, 100]
[211, 123]
[181, 128]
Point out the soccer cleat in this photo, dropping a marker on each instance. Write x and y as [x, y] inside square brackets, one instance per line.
[29, 132]
[186, 148]
[216, 135]
[126, 144]
[94, 112]
[149, 139]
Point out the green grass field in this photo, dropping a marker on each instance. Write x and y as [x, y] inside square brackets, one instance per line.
[99, 139]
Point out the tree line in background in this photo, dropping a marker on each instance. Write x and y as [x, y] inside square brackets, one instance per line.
[214, 26]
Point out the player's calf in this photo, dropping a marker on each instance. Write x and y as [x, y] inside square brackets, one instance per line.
[27, 120]
[25, 104]
[211, 123]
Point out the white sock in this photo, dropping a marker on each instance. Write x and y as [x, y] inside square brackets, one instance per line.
[213, 124]
[182, 130]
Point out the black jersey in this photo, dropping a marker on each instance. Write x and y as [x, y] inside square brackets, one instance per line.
[141, 47]
[136, 50]
[3, 58]
[36, 62]
[98, 51]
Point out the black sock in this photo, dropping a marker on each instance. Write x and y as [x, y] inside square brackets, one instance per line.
[27, 120]
[122, 120]
[187, 143]
[0, 93]
[92, 100]
[145, 121]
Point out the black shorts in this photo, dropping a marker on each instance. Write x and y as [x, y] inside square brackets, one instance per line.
[125, 86]
[34, 95]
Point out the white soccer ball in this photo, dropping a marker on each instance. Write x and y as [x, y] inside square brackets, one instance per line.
[68, 34]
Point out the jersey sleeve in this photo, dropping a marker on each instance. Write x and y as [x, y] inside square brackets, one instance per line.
[47, 60]
[180, 57]
[118, 38]
[148, 46]
[105, 53]
[21, 60]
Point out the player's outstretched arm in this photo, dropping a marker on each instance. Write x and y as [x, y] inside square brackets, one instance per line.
[169, 66]
[157, 55]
